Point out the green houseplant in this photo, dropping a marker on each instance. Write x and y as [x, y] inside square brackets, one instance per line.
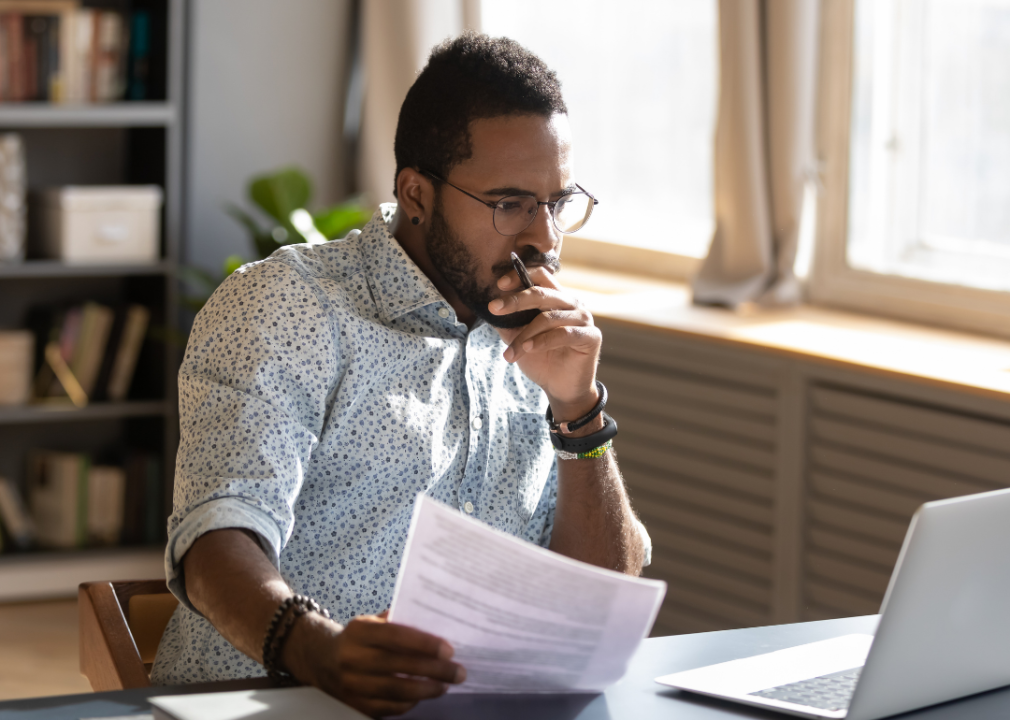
[282, 198]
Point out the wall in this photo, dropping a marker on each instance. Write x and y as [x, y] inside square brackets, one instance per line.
[266, 89]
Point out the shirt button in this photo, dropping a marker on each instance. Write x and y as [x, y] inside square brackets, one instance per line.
[469, 508]
[443, 312]
[477, 423]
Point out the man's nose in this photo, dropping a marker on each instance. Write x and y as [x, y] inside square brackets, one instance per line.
[541, 233]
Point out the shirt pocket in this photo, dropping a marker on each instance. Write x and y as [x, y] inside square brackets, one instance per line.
[531, 459]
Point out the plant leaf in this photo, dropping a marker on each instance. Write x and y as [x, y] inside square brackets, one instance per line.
[281, 192]
[199, 278]
[335, 222]
[233, 263]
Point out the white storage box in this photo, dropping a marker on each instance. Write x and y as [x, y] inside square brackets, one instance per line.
[101, 224]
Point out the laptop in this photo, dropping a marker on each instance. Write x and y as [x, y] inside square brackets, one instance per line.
[944, 629]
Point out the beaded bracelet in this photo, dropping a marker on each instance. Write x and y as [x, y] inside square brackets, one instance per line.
[283, 620]
[588, 455]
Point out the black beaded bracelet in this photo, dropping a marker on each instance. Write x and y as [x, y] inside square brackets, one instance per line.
[284, 618]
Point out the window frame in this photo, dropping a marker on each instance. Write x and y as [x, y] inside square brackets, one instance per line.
[832, 280]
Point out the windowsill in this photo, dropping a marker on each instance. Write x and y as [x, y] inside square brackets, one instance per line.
[952, 360]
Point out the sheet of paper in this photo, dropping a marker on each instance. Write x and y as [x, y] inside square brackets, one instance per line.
[521, 618]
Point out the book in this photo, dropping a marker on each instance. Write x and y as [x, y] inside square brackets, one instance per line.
[304, 703]
[125, 352]
[56, 51]
[106, 497]
[58, 497]
[91, 345]
[139, 65]
[108, 57]
[82, 43]
[14, 517]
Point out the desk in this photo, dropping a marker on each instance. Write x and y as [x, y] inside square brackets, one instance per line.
[636, 696]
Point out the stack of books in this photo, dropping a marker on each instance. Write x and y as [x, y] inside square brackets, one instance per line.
[98, 345]
[74, 503]
[56, 51]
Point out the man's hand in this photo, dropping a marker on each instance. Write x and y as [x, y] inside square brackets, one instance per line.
[373, 665]
[559, 349]
[378, 667]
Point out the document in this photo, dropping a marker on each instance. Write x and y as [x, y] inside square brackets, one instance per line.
[521, 618]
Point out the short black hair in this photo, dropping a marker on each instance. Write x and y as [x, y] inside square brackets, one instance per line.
[471, 77]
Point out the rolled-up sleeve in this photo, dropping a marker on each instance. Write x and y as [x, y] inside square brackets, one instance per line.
[253, 388]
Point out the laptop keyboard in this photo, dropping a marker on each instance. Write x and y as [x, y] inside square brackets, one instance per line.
[828, 692]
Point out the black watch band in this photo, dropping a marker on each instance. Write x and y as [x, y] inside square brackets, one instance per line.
[570, 427]
[589, 442]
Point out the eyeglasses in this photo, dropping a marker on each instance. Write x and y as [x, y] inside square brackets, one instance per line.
[515, 213]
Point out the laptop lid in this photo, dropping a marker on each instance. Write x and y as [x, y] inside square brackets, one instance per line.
[945, 626]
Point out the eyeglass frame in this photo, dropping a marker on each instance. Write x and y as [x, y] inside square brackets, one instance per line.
[551, 204]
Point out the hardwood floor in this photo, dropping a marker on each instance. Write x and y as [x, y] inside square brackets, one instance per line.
[38, 650]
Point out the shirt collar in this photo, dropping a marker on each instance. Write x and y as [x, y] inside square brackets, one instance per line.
[398, 284]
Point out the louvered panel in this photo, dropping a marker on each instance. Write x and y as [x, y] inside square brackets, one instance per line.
[722, 557]
[722, 475]
[850, 573]
[872, 461]
[660, 384]
[936, 423]
[865, 495]
[721, 449]
[697, 447]
[882, 555]
[843, 600]
[913, 450]
[734, 586]
[849, 521]
[669, 485]
[654, 509]
[717, 605]
[624, 346]
[674, 619]
[896, 475]
[692, 414]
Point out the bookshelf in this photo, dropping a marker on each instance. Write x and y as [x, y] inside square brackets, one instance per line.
[126, 142]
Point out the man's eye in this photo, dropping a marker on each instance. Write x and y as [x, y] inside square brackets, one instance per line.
[510, 206]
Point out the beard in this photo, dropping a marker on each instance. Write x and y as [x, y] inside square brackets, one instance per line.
[459, 268]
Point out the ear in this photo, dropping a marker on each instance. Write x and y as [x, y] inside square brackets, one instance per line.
[415, 194]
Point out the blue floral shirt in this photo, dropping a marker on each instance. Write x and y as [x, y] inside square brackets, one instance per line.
[322, 389]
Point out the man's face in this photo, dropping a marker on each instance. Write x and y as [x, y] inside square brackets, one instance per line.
[512, 155]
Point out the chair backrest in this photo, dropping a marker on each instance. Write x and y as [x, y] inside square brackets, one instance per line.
[121, 624]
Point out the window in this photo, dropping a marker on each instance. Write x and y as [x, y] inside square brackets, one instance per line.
[930, 179]
[915, 122]
[640, 82]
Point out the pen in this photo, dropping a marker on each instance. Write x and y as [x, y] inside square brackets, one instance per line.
[521, 270]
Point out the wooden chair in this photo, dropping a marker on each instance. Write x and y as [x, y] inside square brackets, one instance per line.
[121, 624]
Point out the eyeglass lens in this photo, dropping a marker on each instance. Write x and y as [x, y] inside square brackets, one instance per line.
[512, 215]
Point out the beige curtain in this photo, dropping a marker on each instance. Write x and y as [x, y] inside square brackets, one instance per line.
[763, 150]
[397, 36]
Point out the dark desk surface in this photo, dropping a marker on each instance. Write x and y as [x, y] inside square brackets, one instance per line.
[637, 696]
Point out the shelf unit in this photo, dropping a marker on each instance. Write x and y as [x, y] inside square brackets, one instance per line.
[115, 143]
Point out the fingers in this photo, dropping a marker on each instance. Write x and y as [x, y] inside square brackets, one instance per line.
[553, 330]
[375, 631]
[383, 668]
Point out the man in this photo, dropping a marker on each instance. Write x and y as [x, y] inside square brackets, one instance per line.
[324, 387]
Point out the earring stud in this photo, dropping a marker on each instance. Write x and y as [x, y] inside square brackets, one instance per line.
[415, 220]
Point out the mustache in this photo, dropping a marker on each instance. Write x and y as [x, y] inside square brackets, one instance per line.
[531, 259]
